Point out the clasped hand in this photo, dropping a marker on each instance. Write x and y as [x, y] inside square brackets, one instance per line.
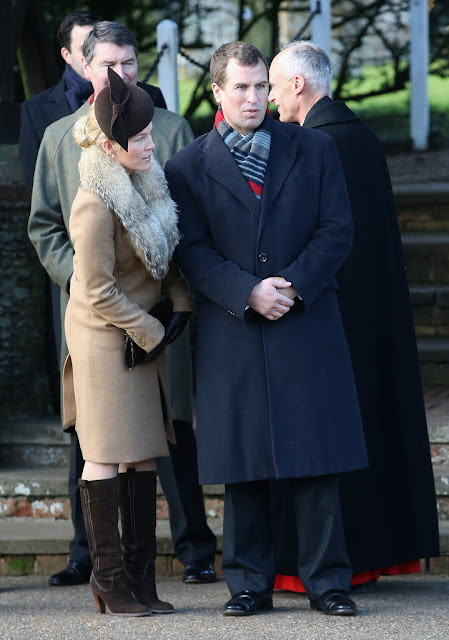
[272, 297]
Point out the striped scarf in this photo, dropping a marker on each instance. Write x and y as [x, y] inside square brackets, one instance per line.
[250, 152]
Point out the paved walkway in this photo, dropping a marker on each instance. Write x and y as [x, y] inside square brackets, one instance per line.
[402, 608]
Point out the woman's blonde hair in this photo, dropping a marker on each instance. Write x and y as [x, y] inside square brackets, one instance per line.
[86, 131]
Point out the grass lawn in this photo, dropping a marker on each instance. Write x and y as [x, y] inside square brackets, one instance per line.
[389, 114]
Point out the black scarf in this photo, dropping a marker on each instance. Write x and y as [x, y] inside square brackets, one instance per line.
[78, 89]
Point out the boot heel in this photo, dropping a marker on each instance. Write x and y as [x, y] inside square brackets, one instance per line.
[100, 603]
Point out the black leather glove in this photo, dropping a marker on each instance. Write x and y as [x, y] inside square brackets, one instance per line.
[176, 325]
[155, 353]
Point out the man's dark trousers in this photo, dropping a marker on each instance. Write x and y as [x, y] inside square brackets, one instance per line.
[193, 541]
[79, 551]
[248, 546]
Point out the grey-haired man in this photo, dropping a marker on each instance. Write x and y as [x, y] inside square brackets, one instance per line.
[376, 313]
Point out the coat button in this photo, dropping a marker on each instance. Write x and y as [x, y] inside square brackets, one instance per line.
[263, 257]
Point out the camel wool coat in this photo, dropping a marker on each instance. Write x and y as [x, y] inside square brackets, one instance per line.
[123, 229]
[55, 185]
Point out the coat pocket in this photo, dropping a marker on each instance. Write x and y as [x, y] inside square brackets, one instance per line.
[68, 392]
[295, 182]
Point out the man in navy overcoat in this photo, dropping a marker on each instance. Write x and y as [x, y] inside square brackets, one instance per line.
[266, 224]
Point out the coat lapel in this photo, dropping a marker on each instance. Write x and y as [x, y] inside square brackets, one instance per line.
[57, 106]
[283, 152]
[327, 111]
[218, 162]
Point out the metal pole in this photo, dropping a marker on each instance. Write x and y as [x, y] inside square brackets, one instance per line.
[321, 24]
[419, 68]
[167, 33]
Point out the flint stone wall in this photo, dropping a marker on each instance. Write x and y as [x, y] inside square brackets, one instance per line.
[24, 340]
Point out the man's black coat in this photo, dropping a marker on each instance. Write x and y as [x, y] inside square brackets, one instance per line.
[389, 510]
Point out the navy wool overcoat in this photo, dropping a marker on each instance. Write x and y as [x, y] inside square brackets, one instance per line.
[275, 399]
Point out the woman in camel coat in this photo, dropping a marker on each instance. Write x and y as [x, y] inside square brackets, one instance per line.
[123, 226]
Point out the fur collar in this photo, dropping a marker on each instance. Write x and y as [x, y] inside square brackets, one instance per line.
[141, 201]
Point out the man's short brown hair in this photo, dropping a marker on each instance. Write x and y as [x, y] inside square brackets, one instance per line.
[243, 53]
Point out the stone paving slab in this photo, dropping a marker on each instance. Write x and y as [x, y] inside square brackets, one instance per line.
[441, 476]
[402, 608]
[45, 431]
[30, 536]
[34, 482]
[41, 481]
[432, 244]
[421, 192]
[437, 407]
[433, 349]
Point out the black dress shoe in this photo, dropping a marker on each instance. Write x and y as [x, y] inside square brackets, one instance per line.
[74, 573]
[334, 603]
[199, 574]
[247, 603]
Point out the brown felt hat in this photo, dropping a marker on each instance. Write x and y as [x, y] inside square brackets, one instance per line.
[122, 110]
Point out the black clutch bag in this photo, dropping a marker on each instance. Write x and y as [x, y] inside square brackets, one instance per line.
[134, 354]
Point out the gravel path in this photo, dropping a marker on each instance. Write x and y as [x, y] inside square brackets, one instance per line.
[403, 608]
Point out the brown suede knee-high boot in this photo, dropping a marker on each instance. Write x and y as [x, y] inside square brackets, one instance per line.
[137, 499]
[108, 581]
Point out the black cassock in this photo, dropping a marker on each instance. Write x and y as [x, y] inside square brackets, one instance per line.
[389, 510]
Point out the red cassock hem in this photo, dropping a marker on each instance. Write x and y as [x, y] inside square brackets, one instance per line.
[293, 583]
